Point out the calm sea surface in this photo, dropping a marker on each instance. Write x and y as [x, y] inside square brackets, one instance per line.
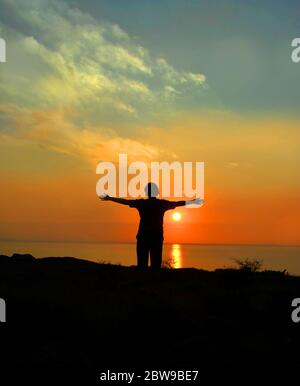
[208, 257]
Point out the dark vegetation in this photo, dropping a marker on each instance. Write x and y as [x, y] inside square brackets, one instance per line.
[66, 311]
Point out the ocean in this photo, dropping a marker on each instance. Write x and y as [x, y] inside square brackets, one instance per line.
[207, 257]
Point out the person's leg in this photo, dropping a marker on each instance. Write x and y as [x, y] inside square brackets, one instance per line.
[156, 248]
[142, 252]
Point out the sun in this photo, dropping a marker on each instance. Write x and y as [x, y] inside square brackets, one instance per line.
[176, 216]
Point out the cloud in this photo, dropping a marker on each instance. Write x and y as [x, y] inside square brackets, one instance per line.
[81, 86]
[62, 57]
[171, 76]
[54, 131]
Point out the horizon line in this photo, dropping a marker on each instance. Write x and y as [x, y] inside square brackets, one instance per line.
[133, 242]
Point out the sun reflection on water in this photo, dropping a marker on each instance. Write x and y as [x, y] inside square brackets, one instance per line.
[175, 259]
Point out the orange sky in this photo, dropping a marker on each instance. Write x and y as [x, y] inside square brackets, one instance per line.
[64, 207]
[251, 186]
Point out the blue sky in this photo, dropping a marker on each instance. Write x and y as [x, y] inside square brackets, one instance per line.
[243, 47]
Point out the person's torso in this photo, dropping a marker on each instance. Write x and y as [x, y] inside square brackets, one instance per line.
[151, 217]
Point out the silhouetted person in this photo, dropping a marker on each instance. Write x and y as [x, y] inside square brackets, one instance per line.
[150, 233]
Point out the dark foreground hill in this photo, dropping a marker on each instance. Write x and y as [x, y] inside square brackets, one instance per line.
[66, 311]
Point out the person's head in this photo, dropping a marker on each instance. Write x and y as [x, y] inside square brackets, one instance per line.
[151, 190]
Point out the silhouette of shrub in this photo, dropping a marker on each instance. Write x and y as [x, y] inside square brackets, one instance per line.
[249, 265]
[168, 264]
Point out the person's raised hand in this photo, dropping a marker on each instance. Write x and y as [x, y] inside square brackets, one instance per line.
[198, 201]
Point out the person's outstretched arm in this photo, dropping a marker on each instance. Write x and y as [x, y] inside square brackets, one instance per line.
[175, 204]
[122, 201]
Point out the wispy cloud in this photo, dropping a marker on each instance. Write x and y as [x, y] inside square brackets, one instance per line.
[60, 56]
[70, 78]
[55, 131]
